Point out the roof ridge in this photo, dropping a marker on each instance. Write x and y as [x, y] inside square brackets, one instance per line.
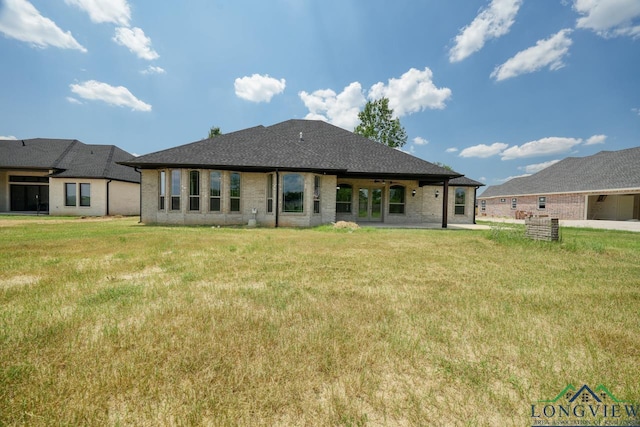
[64, 153]
[108, 163]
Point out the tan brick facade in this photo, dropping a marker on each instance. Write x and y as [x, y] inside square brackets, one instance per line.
[422, 207]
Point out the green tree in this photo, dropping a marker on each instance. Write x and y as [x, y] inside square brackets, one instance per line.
[214, 131]
[377, 123]
[442, 165]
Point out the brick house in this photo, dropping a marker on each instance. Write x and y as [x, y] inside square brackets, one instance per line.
[603, 186]
[66, 177]
[298, 173]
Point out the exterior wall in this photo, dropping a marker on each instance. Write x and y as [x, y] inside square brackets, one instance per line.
[124, 198]
[572, 206]
[253, 197]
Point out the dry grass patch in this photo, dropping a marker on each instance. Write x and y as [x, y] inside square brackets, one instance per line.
[140, 325]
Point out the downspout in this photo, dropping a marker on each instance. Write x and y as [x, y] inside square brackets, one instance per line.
[277, 195]
[445, 202]
[107, 207]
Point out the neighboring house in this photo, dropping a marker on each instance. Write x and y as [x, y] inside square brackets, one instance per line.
[604, 186]
[298, 173]
[66, 177]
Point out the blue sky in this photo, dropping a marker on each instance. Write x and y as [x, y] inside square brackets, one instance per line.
[493, 88]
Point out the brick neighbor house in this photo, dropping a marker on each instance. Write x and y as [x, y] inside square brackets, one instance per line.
[604, 186]
[298, 173]
[66, 177]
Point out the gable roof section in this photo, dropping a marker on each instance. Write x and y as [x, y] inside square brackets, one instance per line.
[305, 145]
[67, 158]
[606, 170]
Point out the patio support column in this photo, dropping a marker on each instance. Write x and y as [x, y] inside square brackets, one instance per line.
[445, 202]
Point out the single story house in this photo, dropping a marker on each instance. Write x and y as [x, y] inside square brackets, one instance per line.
[66, 177]
[603, 186]
[298, 173]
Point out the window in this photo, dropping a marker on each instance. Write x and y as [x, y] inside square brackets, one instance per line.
[270, 193]
[70, 194]
[85, 194]
[483, 205]
[194, 190]
[542, 202]
[214, 191]
[175, 190]
[514, 203]
[316, 194]
[293, 193]
[162, 189]
[459, 202]
[396, 199]
[503, 200]
[234, 192]
[343, 198]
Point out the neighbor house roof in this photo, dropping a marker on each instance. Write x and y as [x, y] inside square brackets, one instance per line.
[67, 158]
[306, 145]
[606, 170]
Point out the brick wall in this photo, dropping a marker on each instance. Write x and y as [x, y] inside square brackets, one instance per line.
[542, 228]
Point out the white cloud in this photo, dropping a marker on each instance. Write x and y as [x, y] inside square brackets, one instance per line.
[136, 41]
[451, 150]
[113, 95]
[414, 91]
[20, 20]
[538, 166]
[418, 140]
[114, 11]
[596, 139]
[11, 137]
[541, 147]
[339, 109]
[483, 151]
[636, 110]
[549, 52]
[492, 22]
[609, 18]
[153, 70]
[73, 100]
[258, 88]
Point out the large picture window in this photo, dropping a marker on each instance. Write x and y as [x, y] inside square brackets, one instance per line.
[234, 192]
[162, 189]
[194, 190]
[344, 193]
[396, 199]
[293, 193]
[70, 194]
[85, 194]
[460, 201]
[175, 190]
[215, 191]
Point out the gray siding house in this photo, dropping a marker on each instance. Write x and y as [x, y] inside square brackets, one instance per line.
[66, 177]
[604, 186]
[298, 173]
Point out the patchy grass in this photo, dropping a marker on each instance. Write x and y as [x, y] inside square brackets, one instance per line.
[116, 323]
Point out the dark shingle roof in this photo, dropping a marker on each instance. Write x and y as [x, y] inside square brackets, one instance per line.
[67, 158]
[606, 170]
[323, 147]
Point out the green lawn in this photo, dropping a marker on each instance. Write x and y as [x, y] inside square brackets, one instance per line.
[116, 323]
